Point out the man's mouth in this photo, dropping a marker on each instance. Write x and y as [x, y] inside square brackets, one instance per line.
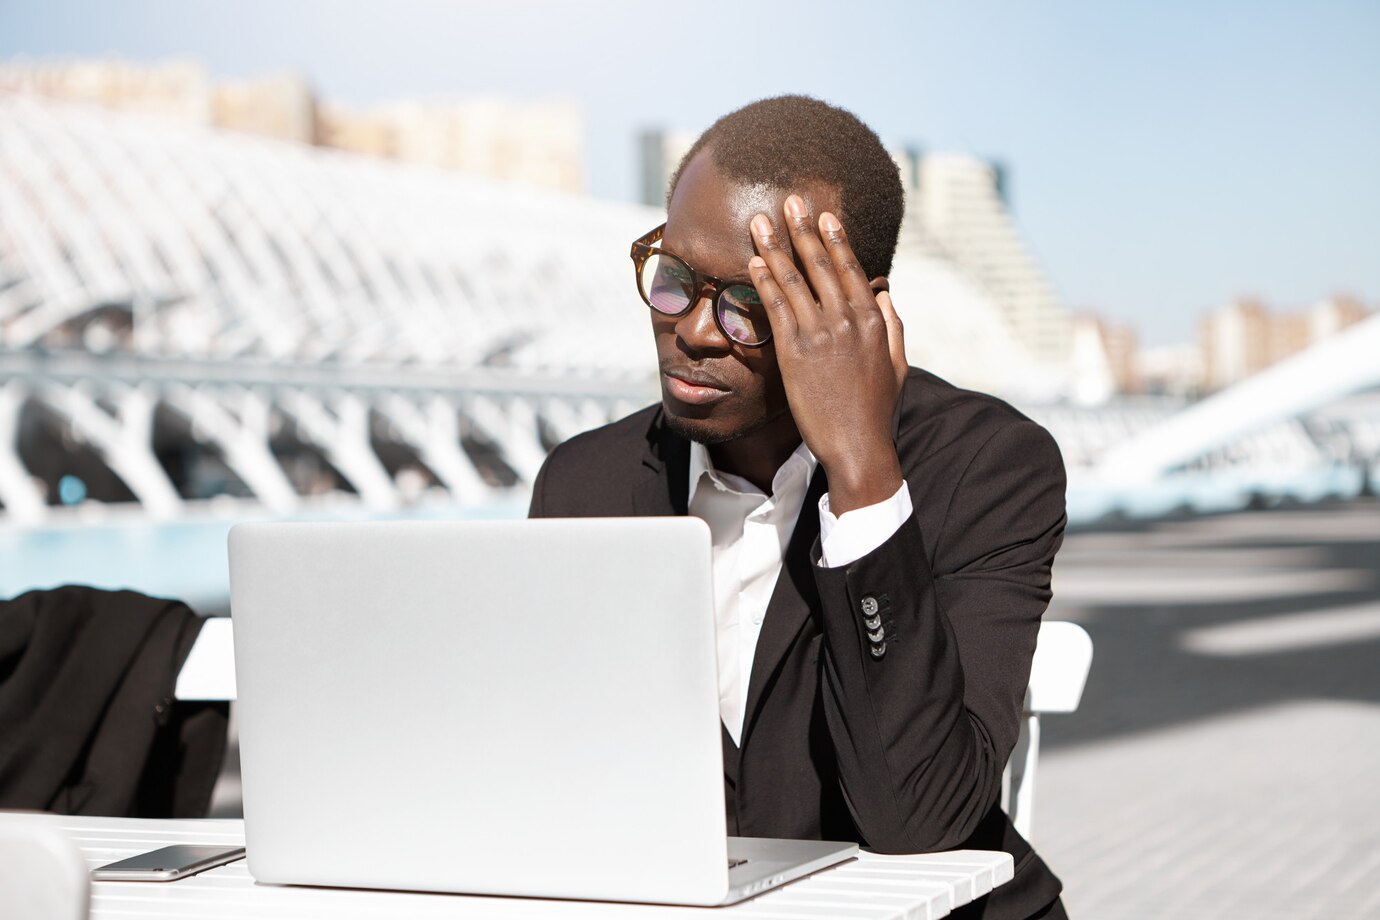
[693, 386]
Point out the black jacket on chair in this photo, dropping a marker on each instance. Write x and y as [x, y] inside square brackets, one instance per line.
[88, 723]
[903, 752]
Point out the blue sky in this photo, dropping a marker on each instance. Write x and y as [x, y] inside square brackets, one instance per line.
[1164, 156]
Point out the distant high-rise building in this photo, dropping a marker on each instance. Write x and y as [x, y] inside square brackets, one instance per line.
[1330, 316]
[1245, 337]
[1235, 341]
[1289, 334]
[281, 107]
[660, 152]
[539, 143]
[958, 210]
[179, 89]
[1106, 359]
[908, 159]
[1093, 379]
[534, 142]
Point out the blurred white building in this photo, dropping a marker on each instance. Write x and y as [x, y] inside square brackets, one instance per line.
[959, 211]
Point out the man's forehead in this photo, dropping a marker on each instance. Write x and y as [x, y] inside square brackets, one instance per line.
[747, 199]
[710, 214]
[707, 230]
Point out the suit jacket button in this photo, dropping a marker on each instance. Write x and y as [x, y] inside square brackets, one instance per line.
[878, 650]
[873, 622]
[869, 606]
[876, 637]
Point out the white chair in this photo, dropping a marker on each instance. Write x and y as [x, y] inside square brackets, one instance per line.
[209, 671]
[42, 873]
[1063, 655]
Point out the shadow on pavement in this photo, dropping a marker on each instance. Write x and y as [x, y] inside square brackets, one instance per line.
[1161, 660]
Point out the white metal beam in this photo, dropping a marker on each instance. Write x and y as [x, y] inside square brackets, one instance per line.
[1346, 363]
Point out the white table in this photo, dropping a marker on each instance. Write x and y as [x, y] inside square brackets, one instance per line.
[872, 887]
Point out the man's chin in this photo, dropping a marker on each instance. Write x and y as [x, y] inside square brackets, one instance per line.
[712, 431]
[700, 430]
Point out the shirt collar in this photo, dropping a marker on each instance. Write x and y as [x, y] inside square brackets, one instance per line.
[702, 467]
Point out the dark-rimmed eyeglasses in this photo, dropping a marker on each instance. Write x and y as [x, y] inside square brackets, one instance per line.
[671, 287]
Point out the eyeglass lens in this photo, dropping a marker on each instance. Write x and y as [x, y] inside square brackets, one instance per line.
[669, 286]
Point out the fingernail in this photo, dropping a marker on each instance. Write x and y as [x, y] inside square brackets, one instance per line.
[829, 223]
[795, 206]
[761, 226]
[757, 263]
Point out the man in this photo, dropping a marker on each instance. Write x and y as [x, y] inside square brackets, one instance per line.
[882, 541]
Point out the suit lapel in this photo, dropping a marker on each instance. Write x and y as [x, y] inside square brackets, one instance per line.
[794, 596]
[665, 487]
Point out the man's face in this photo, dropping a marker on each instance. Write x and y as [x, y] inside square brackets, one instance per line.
[713, 389]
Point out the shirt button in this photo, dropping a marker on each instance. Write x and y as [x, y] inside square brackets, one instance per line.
[869, 605]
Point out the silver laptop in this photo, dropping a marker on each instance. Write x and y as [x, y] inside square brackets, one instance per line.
[512, 708]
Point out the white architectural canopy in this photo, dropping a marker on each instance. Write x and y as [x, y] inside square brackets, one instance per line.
[157, 273]
[193, 242]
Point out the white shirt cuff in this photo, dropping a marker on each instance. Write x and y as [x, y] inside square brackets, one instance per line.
[846, 539]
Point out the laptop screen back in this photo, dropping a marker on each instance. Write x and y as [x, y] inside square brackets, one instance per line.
[518, 707]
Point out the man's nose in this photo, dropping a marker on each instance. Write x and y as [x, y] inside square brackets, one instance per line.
[697, 329]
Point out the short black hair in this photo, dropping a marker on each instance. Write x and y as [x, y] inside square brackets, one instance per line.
[785, 141]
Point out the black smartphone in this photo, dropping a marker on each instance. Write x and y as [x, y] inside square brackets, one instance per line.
[167, 864]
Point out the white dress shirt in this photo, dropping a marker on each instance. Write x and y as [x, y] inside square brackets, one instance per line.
[750, 533]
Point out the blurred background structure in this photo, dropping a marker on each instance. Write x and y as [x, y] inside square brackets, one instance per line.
[234, 298]
[217, 293]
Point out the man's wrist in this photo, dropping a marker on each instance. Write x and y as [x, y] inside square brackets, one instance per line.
[862, 481]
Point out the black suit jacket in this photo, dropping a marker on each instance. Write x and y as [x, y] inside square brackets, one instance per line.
[903, 753]
[88, 723]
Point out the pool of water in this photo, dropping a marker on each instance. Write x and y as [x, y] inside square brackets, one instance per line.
[180, 559]
[187, 559]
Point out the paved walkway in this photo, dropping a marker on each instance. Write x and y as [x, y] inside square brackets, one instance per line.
[1226, 760]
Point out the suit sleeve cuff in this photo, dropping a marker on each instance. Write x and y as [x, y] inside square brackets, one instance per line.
[845, 539]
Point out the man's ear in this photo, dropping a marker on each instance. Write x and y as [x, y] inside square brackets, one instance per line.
[879, 284]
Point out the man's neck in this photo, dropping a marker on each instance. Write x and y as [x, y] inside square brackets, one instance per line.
[757, 457]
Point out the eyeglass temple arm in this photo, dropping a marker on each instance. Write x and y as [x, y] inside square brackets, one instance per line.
[641, 248]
